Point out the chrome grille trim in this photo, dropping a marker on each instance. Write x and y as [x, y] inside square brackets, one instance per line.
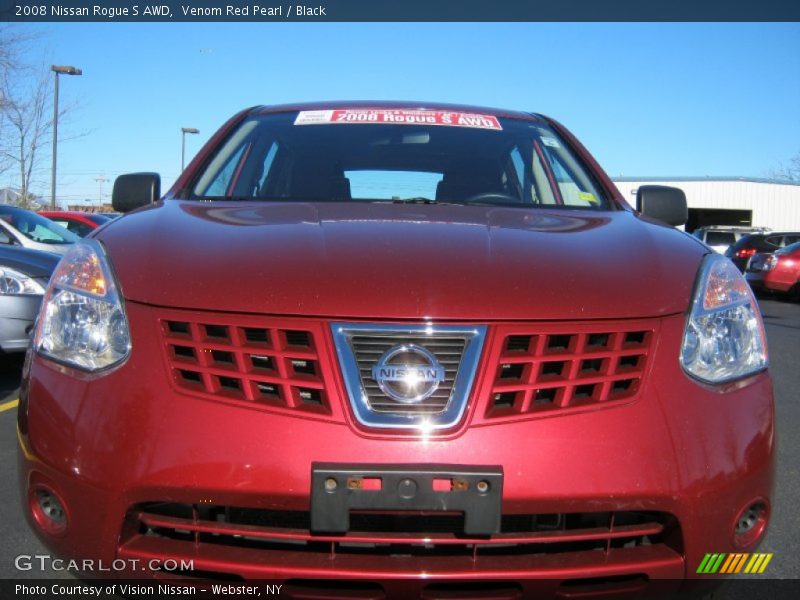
[359, 346]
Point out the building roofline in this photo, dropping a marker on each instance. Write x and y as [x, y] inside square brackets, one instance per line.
[708, 178]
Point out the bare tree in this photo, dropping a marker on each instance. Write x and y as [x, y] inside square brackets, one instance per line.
[25, 112]
[9, 63]
[28, 125]
[789, 172]
[13, 67]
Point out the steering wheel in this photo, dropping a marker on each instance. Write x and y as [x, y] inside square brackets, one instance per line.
[490, 197]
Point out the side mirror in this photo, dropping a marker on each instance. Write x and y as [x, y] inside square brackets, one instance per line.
[664, 203]
[135, 190]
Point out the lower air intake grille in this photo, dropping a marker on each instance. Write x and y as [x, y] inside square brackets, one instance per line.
[402, 534]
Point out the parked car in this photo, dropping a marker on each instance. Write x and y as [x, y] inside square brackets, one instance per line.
[777, 272]
[27, 229]
[720, 237]
[79, 223]
[24, 275]
[743, 250]
[406, 344]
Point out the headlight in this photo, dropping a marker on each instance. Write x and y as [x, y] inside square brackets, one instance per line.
[724, 336]
[82, 321]
[15, 283]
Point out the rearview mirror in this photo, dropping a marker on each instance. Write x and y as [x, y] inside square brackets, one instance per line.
[664, 203]
[135, 190]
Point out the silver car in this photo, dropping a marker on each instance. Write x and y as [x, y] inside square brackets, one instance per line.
[27, 229]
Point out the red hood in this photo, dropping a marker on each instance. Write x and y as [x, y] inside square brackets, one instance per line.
[390, 261]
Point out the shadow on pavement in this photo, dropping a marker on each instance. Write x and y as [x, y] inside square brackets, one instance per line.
[10, 373]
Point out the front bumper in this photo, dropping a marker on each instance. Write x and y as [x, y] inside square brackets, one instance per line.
[111, 445]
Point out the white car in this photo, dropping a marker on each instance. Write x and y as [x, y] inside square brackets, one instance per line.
[27, 229]
[720, 238]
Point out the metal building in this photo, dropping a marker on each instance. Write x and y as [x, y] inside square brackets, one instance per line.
[729, 200]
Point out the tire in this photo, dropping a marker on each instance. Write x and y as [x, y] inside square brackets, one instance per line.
[794, 293]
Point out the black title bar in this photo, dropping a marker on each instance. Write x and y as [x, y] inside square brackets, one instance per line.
[400, 10]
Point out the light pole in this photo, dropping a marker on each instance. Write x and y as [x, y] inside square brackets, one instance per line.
[184, 131]
[58, 70]
[100, 181]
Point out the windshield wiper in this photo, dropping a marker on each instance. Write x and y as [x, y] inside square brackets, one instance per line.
[415, 200]
[424, 200]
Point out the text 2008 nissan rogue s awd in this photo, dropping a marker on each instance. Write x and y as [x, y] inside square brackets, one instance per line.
[406, 344]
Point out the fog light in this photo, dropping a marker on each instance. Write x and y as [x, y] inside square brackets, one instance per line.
[48, 510]
[750, 524]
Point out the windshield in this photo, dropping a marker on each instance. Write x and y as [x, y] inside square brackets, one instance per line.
[398, 155]
[99, 219]
[36, 227]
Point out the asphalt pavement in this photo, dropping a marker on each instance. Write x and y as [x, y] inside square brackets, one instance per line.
[782, 319]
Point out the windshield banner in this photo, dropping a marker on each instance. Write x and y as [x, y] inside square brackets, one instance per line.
[397, 117]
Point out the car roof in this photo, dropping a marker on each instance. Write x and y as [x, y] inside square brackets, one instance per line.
[771, 233]
[395, 104]
[35, 263]
[735, 229]
[63, 213]
[766, 234]
[13, 209]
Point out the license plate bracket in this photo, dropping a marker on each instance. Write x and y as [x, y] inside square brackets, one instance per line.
[475, 491]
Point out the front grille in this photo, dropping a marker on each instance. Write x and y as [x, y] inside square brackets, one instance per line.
[288, 365]
[401, 534]
[259, 361]
[538, 369]
[369, 348]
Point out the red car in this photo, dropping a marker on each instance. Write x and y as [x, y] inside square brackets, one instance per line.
[777, 272]
[416, 348]
[79, 223]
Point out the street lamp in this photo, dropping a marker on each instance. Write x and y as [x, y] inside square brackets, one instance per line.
[100, 181]
[184, 131]
[58, 70]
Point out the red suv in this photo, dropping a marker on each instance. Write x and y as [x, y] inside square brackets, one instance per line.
[409, 345]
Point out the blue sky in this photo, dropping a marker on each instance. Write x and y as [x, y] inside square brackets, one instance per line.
[646, 99]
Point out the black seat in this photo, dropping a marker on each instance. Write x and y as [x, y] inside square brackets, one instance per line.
[467, 179]
[340, 188]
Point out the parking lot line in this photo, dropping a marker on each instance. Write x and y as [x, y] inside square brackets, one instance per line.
[9, 405]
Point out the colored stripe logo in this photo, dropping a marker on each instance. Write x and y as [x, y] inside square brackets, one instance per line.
[729, 564]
